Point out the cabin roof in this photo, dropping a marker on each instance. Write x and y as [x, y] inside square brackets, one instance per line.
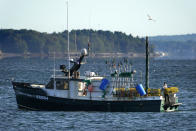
[81, 78]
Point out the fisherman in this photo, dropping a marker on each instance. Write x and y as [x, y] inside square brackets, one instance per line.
[163, 88]
[163, 92]
[164, 85]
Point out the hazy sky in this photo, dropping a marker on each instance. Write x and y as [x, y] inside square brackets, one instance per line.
[129, 16]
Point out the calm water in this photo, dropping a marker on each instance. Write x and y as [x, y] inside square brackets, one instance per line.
[181, 73]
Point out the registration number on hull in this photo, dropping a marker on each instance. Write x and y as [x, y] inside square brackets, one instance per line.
[31, 95]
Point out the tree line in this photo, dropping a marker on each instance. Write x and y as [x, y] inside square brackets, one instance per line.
[176, 46]
[23, 41]
[176, 49]
[175, 38]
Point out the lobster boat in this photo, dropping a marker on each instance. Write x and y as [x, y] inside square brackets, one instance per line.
[90, 92]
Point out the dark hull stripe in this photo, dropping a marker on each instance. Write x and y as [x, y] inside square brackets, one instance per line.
[63, 104]
[37, 99]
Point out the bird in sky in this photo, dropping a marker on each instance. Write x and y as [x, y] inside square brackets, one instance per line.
[150, 18]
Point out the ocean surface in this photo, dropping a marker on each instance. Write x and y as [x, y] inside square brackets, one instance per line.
[180, 73]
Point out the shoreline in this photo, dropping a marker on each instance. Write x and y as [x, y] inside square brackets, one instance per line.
[75, 54]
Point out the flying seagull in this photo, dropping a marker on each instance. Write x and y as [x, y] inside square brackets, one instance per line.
[150, 18]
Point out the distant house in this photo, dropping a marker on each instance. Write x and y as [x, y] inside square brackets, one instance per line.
[27, 53]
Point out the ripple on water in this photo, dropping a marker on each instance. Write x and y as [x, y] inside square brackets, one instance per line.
[175, 73]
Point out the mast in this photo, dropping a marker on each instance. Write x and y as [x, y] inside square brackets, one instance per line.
[68, 42]
[147, 65]
[54, 82]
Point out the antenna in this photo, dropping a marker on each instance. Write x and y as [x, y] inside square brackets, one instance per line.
[88, 41]
[68, 42]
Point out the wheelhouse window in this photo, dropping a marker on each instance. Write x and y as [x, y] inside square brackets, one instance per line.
[50, 85]
[60, 85]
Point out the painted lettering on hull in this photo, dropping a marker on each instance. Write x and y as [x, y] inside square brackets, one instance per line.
[31, 95]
